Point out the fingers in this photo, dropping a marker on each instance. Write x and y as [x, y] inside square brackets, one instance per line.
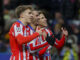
[37, 28]
[63, 29]
[41, 28]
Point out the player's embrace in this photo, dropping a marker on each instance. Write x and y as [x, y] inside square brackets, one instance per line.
[40, 48]
[20, 33]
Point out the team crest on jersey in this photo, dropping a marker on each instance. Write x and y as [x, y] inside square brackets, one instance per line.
[18, 29]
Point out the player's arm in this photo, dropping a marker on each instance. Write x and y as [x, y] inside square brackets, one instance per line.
[23, 40]
[43, 50]
[60, 43]
[57, 43]
[19, 35]
[36, 48]
[54, 42]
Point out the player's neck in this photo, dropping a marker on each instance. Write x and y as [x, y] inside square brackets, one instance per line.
[33, 26]
[22, 20]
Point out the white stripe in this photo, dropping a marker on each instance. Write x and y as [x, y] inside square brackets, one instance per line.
[48, 56]
[28, 52]
[56, 43]
[38, 58]
[24, 54]
[32, 42]
[34, 57]
[44, 57]
[28, 56]
[27, 45]
[40, 40]
[11, 57]
[37, 49]
[25, 33]
[49, 47]
[31, 32]
[48, 31]
[14, 58]
[19, 56]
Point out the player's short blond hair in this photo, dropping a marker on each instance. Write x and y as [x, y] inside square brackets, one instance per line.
[21, 9]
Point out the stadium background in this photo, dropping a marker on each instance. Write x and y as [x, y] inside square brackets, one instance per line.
[58, 12]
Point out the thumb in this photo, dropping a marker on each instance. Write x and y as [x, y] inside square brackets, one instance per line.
[41, 28]
[62, 29]
[37, 28]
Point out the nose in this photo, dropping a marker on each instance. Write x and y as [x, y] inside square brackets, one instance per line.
[45, 19]
[31, 16]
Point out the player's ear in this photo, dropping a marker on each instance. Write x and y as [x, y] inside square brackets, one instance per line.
[21, 15]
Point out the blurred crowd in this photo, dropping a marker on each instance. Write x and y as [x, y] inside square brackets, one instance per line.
[60, 13]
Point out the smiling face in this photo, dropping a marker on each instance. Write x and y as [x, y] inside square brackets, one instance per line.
[42, 20]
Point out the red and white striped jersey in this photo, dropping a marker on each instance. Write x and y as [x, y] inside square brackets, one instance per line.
[37, 45]
[44, 54]
[40, 49]
[19, 51]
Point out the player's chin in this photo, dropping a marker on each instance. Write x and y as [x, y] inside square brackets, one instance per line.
[29, 22]
[45, 25]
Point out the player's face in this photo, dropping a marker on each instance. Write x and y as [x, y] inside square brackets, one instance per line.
[27, 15]
[42, 20]
[35, 17]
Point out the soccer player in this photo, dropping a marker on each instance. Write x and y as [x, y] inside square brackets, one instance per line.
[32, 44]
[42, 54]
[20, 33]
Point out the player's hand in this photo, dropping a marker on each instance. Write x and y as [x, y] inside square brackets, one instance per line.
[64, 32]
[44, 35]
[39, 31]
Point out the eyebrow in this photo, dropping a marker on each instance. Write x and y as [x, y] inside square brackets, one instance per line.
[30, 12]
[42, 17]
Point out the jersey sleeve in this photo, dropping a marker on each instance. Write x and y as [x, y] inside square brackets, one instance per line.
[60, 43]
[42, 51]
[57, 43]
[35, 48]
[11, 32]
